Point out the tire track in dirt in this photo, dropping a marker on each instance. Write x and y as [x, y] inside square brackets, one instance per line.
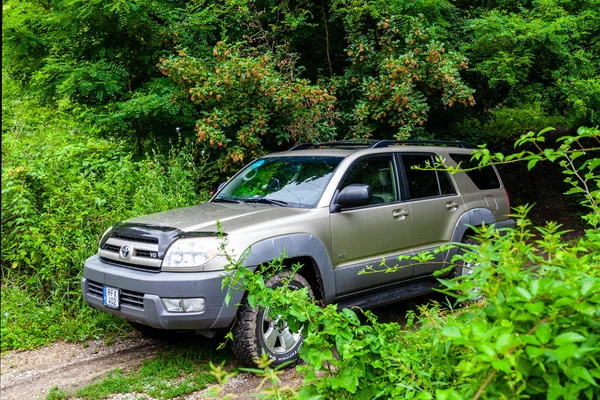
[31, 374]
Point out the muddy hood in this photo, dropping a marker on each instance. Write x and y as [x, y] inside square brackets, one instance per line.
[204, 217]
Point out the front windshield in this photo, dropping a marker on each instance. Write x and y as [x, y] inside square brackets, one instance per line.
[292, 181]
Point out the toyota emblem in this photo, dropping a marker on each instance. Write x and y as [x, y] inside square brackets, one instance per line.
[124, 252]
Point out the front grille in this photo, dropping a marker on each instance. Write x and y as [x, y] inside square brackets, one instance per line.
[131, 250]
[147, 268]
[132, 238]
[146, 253]
[132, 299]
[127, 297]
[95, 289]
[111, 247]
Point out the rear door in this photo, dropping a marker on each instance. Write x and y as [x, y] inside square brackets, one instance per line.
[435, 207]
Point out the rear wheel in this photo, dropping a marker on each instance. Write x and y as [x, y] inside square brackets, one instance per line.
[463, 268]
[258, 330]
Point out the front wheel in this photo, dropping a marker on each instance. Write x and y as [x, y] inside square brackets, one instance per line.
[257, 330]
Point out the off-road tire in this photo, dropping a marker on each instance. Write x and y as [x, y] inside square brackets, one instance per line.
[248, 340]
[459, 270]
[459, 266]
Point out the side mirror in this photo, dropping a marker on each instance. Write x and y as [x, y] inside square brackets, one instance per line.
[355, 195]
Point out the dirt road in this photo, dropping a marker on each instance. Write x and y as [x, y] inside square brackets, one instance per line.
[31, 374]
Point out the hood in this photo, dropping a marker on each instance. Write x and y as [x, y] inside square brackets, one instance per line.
[203, 217]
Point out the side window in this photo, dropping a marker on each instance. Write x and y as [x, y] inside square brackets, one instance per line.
[377, 172]
[484, 178]
[425, 183]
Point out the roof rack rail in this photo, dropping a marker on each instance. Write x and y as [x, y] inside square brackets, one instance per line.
[448, 143]
[342, 144]
[376, 144]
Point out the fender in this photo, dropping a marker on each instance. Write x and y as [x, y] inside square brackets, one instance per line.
[473, 217]
[296, 245]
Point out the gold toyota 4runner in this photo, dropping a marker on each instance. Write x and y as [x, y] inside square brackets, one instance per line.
[334, 207]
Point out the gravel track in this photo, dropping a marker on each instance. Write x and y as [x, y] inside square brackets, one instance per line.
[31, 374]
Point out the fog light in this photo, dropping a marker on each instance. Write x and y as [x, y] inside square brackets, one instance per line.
[184, 305]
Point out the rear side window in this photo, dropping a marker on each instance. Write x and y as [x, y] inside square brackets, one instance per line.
[484, 178]
[425, 183]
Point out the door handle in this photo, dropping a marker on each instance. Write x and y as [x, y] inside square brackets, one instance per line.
[400, 214]
[451, 206]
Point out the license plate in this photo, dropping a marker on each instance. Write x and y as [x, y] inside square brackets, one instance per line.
[110, 297]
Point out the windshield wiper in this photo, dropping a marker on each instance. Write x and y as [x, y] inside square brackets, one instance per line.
[226, 200]
[267, 201]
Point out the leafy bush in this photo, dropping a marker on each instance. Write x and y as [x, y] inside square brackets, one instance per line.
[247, 104]
[534, 334]
[61, 188]
[508, 123]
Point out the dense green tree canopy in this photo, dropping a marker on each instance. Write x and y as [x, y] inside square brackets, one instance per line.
[250, 76]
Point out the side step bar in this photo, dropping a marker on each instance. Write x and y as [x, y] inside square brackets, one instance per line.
[391, 295]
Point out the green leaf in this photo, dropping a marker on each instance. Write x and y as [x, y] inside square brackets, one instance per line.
[310, 392]
[543, 333]
[252, 300]
[502, 365]
[351, 316]
[581, 372]
[535, 308]
[451, 332]
[524, 292]
[317, 356]
[347, 379]
[533, 351]
[448, 394]
[532, 163]
[568, 337]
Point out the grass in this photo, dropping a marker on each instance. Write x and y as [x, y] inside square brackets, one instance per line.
[177, 370]
[29, 320]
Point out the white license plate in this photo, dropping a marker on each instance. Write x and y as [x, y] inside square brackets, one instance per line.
[110, 297]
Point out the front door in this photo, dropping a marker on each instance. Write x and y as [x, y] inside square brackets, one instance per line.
[372, 236]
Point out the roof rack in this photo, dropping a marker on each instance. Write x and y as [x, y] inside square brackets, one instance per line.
[341, 144]
[445, 143]
[376, 144]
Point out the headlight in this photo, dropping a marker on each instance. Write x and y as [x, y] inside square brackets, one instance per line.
[190, 252]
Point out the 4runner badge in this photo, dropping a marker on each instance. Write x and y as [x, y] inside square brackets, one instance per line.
[124, 252]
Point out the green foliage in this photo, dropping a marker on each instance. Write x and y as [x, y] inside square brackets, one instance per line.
[538, 332]
[544, 49]
[96, 57]
[31, 319]
[506, 123]
[247, 103]
[375, 68]
[529, 330]
[60, 190]
[396, 70]
[575, 155]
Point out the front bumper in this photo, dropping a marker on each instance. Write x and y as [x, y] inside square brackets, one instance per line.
[141, 294]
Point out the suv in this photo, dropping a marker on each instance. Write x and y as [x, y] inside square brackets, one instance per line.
[336, 208]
